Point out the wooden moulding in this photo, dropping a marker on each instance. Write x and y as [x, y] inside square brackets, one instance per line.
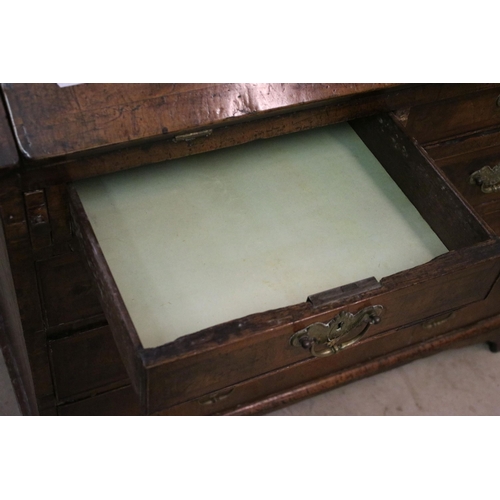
[52, 122]
[226, 354]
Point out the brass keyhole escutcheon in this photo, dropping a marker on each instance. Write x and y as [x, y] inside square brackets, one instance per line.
[324, 339]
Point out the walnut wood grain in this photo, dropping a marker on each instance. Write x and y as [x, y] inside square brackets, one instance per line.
[67, 290]
[443, 120]
[51, 122]
[102, 160]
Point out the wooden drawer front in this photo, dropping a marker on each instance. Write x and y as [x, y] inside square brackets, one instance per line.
[374, 350]
[85, 363]
[119, 402]
[455, 117]
[67, 289]
[286, 378]
[174, 380]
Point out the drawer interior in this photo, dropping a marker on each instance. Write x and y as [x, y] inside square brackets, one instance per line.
[198, 241]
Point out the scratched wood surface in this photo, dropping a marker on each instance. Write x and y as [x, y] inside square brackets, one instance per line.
[52, 121]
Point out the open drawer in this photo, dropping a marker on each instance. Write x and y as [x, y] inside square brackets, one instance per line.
[205, 244]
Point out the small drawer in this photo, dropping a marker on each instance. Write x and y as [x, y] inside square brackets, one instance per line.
[86, 363]
[462, 263]
[444, 120]
[473, 166]
[67, 289]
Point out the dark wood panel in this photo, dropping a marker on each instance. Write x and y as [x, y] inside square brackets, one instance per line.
[119, 402]
[439, 121]
[67, 289]
[86, 363]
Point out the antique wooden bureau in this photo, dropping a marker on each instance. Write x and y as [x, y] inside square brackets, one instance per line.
[157, 257]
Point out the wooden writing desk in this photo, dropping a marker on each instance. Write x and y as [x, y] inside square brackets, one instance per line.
[85, 356]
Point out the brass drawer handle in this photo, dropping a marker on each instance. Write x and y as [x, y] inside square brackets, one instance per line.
[324, 339]
[433, 323]
[215, 397]
[488, 178]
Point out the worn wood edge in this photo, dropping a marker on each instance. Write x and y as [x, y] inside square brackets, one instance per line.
[127, 340]
[327, 93]
[464, 336]
[32, 151]
[447, 263]
[393, 148]
[101, 160]
[106, 160]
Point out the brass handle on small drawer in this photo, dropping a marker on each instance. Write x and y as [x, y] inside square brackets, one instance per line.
[433, 323]
[215, 397]
[488, 178]
[324, 339]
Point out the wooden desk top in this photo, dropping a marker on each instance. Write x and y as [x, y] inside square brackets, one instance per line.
[53, 122]
[8, 152]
